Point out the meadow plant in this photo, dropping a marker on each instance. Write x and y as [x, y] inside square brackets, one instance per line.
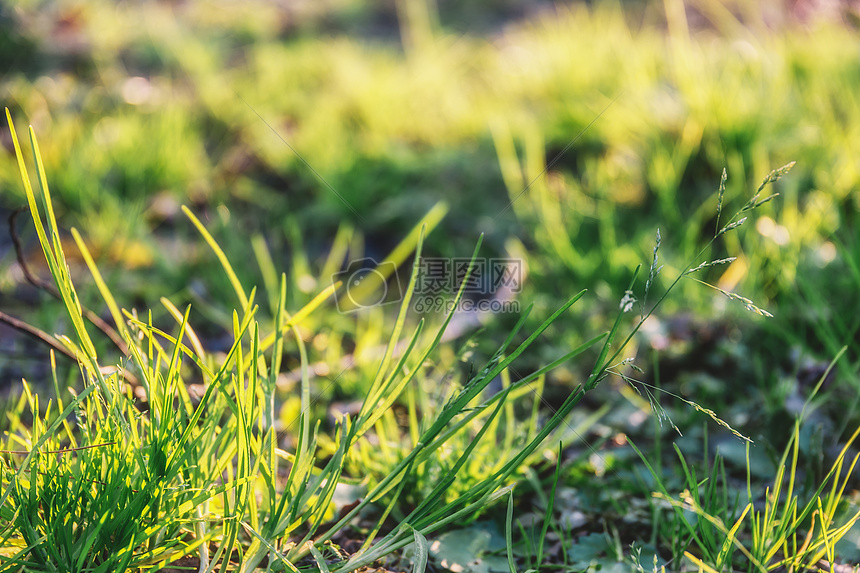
[122, 476]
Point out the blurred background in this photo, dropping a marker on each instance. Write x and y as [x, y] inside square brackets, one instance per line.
[307, 133]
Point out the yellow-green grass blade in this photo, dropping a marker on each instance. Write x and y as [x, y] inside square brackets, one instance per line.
[297, 318]
[377, 386]
[189, 352]
[393, 261]
[52, 248]
[102, 286]
[199, 351]
[731, 537]
[222, 258]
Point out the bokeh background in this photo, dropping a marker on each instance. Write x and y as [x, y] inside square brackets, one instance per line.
[305, 134]
[287, 124]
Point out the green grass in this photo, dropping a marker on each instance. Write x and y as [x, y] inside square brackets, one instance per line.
[396, 134]
[133, 483]
[179, 457]
[567, 139]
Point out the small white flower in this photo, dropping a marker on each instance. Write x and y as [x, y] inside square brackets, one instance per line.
[627, 302]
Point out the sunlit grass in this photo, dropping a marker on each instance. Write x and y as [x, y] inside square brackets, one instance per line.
[332, 147]
[366, 118]
[151, 471]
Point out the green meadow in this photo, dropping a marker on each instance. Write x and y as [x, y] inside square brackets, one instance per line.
[495, 286]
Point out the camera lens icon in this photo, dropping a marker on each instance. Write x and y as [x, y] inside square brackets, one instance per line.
[365, 285]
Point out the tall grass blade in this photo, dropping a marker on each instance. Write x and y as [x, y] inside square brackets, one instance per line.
[222, 258]
[509, 544]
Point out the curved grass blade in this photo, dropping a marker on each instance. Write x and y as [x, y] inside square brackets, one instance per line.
[222, 258]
